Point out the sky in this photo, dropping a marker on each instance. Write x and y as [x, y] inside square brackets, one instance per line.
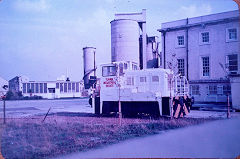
[43, 39]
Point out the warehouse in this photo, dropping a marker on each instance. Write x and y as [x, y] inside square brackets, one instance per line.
[61, 88]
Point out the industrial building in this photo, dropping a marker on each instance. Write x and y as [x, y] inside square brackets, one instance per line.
[129, 42]
[3, 87]
[62, 88]
[205, 49]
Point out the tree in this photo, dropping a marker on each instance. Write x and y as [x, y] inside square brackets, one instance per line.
[9, 95]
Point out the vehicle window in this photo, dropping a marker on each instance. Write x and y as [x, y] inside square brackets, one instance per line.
[143, 79]
[155, 79]
[109, 71]
[121, 69]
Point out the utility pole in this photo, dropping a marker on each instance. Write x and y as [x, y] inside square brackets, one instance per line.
[119, 104]
[119, 100]
[4, 110]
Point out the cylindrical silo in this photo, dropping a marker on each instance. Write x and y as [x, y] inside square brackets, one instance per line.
[89, 64]
[125, 40]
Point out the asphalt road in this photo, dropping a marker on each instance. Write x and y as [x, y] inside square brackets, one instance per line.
[217, 139]
[24, 108]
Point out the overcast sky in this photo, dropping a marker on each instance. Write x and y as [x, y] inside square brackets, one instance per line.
[43, 38]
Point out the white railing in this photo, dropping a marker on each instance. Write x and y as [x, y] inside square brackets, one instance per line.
[180, 85]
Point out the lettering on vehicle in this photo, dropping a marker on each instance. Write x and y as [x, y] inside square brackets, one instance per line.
[109, 82]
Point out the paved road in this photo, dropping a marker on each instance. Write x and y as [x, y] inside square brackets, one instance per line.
[23, 108]
[217, 139]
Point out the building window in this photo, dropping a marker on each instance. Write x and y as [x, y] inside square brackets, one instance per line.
[205, 37]
[41, 87]
[73, 87]
[69, 87]
[125, 66]
[28, 88]
[65, 87]
[227, 90]
[155, 79]
[205, 66]
[212, 90]
[143, 79]
[77, 87]
[194, 90]
[134, 67]
[32, 88]
[231, 34]
[61, 87]
[220, 90]
[24, 88]
[232, 63]
[181, 67]
[180, 40]
[57, 85]
[45, 87]
[37, 87]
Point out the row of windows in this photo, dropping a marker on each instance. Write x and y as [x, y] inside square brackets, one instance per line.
[42, 87]
[68, 87]
[34, 87]
[231, 35]
[231, 64]
[130, 80]
[211, 90]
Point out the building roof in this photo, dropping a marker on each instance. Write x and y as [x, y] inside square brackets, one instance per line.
[223, 17]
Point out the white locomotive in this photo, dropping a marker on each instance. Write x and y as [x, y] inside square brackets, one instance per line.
[124, 88]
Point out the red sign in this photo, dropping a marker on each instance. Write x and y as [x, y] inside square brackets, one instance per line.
[109, 82]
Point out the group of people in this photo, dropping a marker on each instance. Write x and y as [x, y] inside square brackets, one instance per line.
[181, 106]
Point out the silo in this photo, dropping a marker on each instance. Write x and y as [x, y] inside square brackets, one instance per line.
[89, 64]
[125, 40]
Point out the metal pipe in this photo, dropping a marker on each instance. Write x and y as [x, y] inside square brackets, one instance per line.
[187, 46]
[95, 63]
[164, 49]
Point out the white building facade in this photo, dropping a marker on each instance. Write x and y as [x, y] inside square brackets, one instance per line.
[53, 89]
[204, 49]
[61, 88]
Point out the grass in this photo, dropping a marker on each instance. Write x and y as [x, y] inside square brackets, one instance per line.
[30, 138]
